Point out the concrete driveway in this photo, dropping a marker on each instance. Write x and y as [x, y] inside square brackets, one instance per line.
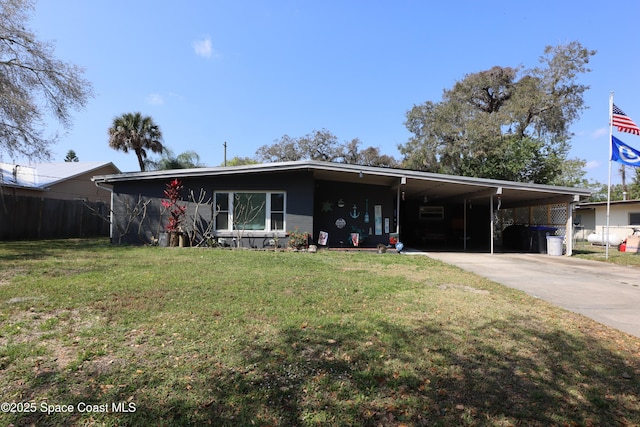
[607, 293]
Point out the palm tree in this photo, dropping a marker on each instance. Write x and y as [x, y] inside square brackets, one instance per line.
[187, 160]
[132, 131]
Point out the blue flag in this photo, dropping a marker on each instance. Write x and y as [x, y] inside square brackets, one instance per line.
[622, 153]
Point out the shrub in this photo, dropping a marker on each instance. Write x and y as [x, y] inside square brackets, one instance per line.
[173, 193]
[298, 239]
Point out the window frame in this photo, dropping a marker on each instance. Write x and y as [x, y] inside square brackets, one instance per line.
[631, 217]
[230, 231]
[431, 213]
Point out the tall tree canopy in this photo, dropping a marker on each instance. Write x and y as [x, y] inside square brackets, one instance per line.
[503, 123]
[239, 161]
[324, 146]
[138, 133]
[632, 189]
[33, 84]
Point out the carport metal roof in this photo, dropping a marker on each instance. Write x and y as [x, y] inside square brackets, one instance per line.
[437, 187]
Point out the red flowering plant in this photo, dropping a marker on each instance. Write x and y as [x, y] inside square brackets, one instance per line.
[173, 193]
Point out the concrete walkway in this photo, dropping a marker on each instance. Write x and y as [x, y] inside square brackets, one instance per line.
[607, 293]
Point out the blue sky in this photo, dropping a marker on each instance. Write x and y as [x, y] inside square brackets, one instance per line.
[249, 72]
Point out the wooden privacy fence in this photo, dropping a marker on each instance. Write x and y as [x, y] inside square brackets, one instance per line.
[23, 217]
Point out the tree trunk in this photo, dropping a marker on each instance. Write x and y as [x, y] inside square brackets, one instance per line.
[140, 160]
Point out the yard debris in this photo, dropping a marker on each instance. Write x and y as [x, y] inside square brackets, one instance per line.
[465, 288]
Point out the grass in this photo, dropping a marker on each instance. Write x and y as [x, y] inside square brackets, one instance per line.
[598, 253]
[232, 337]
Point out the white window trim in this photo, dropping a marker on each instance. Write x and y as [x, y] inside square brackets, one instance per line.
[267, 232]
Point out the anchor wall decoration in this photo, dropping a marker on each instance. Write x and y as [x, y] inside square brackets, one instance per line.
[354, 213]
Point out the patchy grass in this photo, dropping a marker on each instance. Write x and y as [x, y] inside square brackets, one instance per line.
[586, 250]
[234, 337]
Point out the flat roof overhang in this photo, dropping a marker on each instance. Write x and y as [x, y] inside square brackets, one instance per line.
[446, 189]
[438, 188]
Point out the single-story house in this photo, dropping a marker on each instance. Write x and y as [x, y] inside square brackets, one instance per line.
[591, 217]
[58, 180]
[339, 205]
[53, 200]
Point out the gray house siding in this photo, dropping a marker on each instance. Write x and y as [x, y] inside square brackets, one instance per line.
[140, 216]
[345, 208]
[136, 212]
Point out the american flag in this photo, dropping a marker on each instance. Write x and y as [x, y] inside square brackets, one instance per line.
[623, 122]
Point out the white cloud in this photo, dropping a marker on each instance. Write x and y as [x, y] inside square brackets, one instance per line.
[592, 164]
[155, 99]
[203, 47]
[176, 96]
[600, 133]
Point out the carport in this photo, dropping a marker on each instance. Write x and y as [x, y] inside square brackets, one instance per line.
[436, 211]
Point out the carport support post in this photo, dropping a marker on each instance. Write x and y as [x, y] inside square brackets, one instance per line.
[464, 220]
[403, 181]
[569, 227]
[398, 213]
[491, 221]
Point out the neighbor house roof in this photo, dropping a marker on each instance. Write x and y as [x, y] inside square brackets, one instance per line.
[414, 183]
[612, 202]
[41, 176]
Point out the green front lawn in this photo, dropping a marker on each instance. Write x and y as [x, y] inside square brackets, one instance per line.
[240, 338]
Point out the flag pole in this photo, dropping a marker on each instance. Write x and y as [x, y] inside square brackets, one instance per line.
[609, 182]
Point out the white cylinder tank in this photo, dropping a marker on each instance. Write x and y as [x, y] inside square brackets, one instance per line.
[599, 239]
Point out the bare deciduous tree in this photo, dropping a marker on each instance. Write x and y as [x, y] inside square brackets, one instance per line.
[199, 231]
[33, 84]
[245, 212]
[132, 212]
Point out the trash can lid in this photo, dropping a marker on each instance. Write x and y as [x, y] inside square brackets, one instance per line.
[542, 228]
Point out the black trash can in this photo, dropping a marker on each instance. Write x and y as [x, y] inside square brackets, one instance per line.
[516, 237]
[538, 235]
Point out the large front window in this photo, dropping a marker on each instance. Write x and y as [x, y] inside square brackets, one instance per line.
[250, 211]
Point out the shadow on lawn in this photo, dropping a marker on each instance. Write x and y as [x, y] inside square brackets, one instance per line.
[390, 375]
[386, 375]
[39, 249]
